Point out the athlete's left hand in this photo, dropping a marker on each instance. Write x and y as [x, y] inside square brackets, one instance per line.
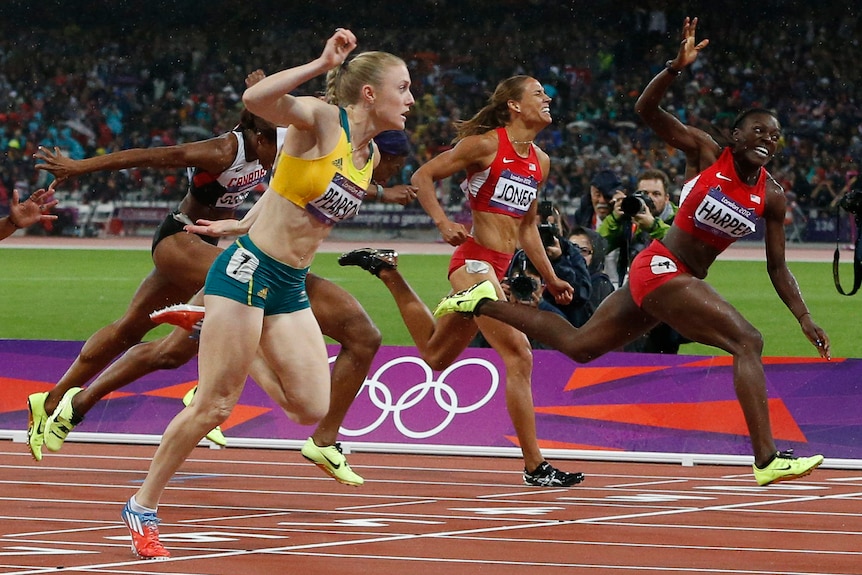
[816, 335]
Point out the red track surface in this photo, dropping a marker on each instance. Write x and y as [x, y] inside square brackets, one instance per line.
[238, 511]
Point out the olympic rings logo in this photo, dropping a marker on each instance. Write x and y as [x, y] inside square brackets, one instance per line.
[443, 394]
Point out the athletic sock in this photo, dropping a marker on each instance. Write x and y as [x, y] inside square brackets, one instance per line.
[138, 508]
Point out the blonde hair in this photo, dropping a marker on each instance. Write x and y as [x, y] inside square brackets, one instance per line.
[344, 83]
[496, 112]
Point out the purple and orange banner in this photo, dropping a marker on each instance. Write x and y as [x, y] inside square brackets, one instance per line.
[620, 402]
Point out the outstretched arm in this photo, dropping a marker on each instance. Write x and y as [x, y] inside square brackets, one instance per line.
[214, 155]
[691, 141]
[229, 227]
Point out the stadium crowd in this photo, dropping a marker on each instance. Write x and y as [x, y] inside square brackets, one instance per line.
[118, 79]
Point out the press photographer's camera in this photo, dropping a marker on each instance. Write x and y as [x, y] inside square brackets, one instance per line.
[852, 202]
[522, 287]
[633, 203]
[521, 284]
[548, 233]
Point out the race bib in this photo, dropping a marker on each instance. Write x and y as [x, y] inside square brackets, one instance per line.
[242, 265]
[231, 200]
[514, 193]
[339, 202]
[724, 217]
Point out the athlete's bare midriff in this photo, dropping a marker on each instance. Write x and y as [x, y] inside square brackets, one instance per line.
[498, 232]
[697, 255]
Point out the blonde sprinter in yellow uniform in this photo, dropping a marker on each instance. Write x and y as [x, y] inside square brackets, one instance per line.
[255, 291]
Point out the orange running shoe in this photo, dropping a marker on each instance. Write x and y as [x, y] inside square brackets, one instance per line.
[182, 315]
[144, 529]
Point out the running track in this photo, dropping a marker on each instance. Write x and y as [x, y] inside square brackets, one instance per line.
[237, 511]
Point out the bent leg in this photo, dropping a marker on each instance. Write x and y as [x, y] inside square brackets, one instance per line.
[169, 352]
[616, 322]
[343, 319]
[154, 292]
[301, 367]
[181, 265]
[698, 312]
[440, 342]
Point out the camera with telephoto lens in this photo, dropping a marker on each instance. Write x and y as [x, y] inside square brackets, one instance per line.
[852, 202]
[633, 203]
[521, 285]
[548, 233]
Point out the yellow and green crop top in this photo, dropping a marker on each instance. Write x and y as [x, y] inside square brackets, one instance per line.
[331, 188]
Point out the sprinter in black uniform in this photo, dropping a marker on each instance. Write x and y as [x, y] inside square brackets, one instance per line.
[224, 170]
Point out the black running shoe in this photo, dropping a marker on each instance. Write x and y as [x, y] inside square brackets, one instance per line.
[370, 259]
[547, 475]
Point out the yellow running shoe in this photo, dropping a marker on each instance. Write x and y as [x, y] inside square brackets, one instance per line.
[465, 301]
[332, 462]
[62, 421]
[784, 467]
[36, 423]
[216, 435]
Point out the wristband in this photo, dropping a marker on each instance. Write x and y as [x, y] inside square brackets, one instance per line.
[379, 196]
[800, 316]
[11, 221]
[670, 69]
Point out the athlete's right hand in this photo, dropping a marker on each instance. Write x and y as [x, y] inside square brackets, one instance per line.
[339, 45]
[53, 161]
[453, 233]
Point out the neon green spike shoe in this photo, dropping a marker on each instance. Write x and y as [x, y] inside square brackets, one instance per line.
[37, 419]
[332, 461]
[465, 301]
[785, 467]
[62, 421]
[215, 435]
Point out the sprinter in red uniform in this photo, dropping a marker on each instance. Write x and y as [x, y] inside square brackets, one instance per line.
[728, 192]
[505, 170]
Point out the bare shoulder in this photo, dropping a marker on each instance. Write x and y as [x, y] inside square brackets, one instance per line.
[478, 150]
[772, 185]
[482, 143]
[776, 201]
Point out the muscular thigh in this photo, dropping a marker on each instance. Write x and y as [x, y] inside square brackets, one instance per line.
[293, 346]
[694, 309]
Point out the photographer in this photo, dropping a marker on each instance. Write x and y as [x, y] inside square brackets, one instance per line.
[604, 187]
[568, 264]
[649, 208]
